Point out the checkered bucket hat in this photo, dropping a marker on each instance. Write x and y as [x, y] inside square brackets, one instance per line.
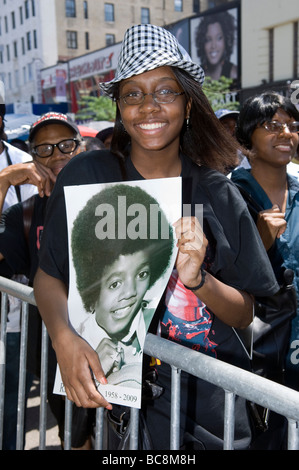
[146, 47]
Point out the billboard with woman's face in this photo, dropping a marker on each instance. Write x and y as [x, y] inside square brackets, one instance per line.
[214, 42]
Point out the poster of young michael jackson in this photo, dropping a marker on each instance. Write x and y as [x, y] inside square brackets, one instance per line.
[122, 250]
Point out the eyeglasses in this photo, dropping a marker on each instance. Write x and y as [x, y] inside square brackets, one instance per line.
[65, 146]
[277, 127]
[160, 97]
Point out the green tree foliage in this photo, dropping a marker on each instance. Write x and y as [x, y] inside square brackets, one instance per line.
[96, 108]
[220, 93]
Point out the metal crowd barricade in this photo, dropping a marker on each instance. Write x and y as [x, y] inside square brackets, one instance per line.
[232, 380]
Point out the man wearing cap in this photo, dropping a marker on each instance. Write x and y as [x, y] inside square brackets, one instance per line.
[228, 119]
[54, 140]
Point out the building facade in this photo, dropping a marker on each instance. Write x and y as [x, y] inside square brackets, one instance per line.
[35, 34]
[57, 50]
[269, 46]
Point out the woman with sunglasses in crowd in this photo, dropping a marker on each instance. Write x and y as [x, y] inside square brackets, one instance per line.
[165, 127]
[268, 128]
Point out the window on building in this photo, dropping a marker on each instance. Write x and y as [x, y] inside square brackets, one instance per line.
[86, 40]
[6, 24]
[15, 49]
[71, 40]
[1, 58]
[196, 6]
[26, 5]
[30, 74]
[33, 7]
[145, 15]
[70, 8]
[23, 46]
[9, 81]
[17, 79]
[13, 20]
[7, 53]
[271, 54]
[216, 3]
[24, 75]
[35, 39]
[21, 15]
[178, 5]
[85, 10]
[110, 39]
[296, 51]
[28, 38]
[109, 12]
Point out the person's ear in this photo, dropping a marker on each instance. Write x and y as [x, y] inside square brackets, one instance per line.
[188, 108]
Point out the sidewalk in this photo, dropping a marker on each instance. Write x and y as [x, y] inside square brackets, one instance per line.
[32, 423]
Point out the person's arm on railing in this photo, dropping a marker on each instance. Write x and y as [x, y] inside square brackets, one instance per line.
[75, 357]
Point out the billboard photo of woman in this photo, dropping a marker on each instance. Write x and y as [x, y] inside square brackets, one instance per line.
[214, 44]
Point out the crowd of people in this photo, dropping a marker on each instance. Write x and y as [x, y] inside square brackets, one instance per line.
[245, 252]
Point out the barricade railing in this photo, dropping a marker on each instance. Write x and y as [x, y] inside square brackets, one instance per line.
[234, 381]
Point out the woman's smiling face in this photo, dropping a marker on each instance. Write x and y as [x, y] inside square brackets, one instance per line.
[275, 149]
[123, 287]
[214, 44]
[153, 126]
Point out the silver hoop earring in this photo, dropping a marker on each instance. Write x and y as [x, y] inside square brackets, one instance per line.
[187, 122]
[122, 126]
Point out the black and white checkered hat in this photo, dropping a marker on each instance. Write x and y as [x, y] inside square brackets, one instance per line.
[146, 47]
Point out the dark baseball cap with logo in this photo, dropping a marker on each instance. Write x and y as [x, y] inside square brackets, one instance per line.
[52, 118]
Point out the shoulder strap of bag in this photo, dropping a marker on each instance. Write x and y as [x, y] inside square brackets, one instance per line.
[9, 162]
[253, 207]
[28, 207]
[249, 199]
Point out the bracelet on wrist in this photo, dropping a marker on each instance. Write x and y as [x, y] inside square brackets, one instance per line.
[203, 278]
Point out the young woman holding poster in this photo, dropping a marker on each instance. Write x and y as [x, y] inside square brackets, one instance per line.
[165, 127]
